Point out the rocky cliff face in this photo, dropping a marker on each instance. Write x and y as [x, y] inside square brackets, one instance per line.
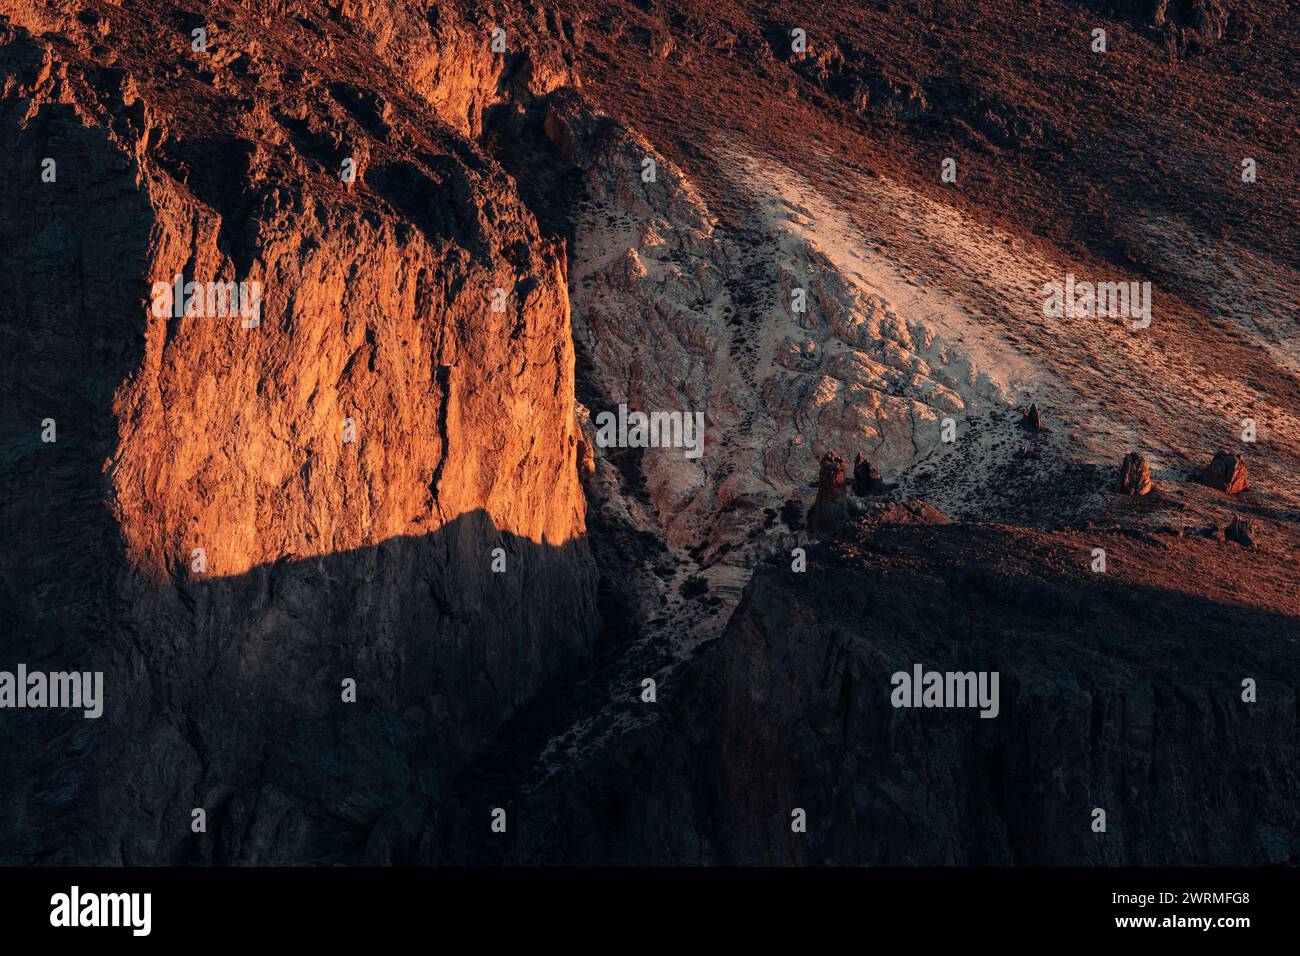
[1101, 707]
[358, 569]
[241, 511]
[1112, 695]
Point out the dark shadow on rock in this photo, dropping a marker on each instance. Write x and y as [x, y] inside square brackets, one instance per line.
[227, 694]
[1120, 695]
[215, 170]
[72, 315]
[439, 203]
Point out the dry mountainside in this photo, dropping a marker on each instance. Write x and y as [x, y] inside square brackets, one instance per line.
[354, 358]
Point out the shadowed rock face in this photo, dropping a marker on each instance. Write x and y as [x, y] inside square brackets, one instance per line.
[1113, 695]
[1197, 21]
[947, 787]
[1094, 699]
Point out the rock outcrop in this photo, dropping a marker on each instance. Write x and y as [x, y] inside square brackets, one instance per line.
[830, 508]
[1188, 22]
[1031, 420]
[866, 478]
[805, 670]
[1112, 694]
[792, 514]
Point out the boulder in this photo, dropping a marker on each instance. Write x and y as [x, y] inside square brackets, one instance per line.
[1134, 475]
[1227, 472]
[792, 514]
[1030, 419]
[1240, 531]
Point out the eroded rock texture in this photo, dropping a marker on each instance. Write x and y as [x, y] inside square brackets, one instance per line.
[235, 520]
